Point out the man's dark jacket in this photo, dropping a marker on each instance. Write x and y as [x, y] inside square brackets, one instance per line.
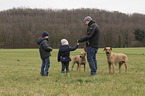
[93, 35]
[44, 48]
[64, 53]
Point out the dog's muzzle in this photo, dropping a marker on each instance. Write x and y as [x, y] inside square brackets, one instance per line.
[107, 53]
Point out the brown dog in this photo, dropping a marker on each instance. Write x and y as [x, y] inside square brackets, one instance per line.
[114, 58]
[80, 60]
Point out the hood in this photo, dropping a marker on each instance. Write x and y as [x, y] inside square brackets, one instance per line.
[91, 22]
[64, 48]
[40, 40]
[64, 42]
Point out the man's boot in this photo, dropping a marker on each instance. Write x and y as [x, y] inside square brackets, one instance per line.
[45, 73]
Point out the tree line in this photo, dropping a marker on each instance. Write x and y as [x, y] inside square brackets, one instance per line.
[21, 27]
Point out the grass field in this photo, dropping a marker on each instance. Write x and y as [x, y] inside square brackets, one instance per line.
[20, 75]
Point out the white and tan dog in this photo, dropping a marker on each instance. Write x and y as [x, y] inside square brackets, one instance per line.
[114, 58]
[80, 60]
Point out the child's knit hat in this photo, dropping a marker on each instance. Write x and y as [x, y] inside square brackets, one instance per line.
[44, 34]
[64, 42]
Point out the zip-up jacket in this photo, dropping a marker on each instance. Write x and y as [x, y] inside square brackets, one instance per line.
[44, 48]
[64, 53]
[92, 36]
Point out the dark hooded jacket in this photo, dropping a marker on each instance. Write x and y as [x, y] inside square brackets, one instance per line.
[92, 37]
[44, 48]
[64, 53]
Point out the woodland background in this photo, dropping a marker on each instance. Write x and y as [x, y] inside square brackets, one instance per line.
[21, 27]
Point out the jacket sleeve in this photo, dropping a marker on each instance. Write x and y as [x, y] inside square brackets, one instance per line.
[46, 46]
[73, 48]
[88, 36]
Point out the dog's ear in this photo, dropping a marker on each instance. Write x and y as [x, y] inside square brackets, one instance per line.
[111, 48]
[85, 53]
[104, 49]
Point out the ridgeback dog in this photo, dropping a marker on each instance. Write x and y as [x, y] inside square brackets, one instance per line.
[80, 60]
[115, 58]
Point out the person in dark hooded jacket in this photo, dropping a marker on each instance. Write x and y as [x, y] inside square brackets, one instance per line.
[44, 51]
[64, 56]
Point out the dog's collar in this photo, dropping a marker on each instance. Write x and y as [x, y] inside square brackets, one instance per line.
[81, 57]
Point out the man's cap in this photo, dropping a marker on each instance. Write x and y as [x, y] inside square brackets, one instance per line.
[88, 18]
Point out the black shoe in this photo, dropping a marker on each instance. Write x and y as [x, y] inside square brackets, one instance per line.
[45, 73]
[41, 73]
[92, 75]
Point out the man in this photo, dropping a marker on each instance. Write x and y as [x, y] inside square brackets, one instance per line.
[92, 40]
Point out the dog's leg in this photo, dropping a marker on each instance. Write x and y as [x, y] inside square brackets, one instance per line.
[72, 66]
[79, 66]
[84, 66]
[114, 68]
[109, 65]
[125, 66]
[120, 64]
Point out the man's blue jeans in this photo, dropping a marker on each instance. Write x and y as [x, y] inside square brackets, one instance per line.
[65, 65]
[45, 64]
[91, 57]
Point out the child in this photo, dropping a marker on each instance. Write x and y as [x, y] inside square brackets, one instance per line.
[63, 56]
[44, 51]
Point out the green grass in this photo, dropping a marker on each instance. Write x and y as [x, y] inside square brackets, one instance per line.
[20, 75]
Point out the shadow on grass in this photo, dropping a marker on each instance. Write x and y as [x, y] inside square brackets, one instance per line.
[93, 79]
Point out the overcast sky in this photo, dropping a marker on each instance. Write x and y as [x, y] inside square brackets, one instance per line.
[124, 6]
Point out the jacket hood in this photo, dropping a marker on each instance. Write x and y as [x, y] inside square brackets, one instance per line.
[40, 40]
[91, 22]
[64, 48]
